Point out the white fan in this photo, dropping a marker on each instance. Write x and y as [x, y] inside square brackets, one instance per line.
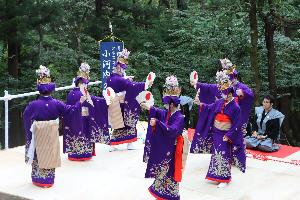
[109, 94]
[85, 92]
[145, 97]
[194, 77]
[150, 78]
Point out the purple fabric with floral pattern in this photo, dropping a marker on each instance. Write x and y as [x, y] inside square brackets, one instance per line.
[44, 109]
[159, 153]
[130, 108]
[81, 131]
[209, 139]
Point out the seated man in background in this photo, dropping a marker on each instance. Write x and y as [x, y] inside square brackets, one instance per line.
[266, 127]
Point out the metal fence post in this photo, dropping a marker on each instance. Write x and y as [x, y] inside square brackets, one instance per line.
[6, 117]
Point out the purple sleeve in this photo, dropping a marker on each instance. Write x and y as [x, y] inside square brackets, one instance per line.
[134, 88]
[138, 86]
[152, 112]
[72, 98]
[245, 102]
[173, 130]
[132, 91]
[208, 92]
[205, 118]
[157, 113]
[204, 123]
[205, 108]
[235, 124]
[96, 98]
[100, 105]
[248, 94]
[27, 118]
[67, 109]
[100, 112]
[207, 87]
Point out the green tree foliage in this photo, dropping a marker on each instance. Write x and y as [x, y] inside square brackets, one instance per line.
[165, 36]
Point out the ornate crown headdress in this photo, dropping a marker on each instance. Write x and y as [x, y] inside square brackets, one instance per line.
[171, 87]
[223, 79]
[84, 71]
[123, 56]
[43, 74]
[227, 65]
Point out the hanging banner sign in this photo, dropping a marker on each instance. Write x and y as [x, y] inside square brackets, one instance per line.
[108, 58]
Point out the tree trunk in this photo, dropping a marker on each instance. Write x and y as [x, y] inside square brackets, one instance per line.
[271, 54]
[253, 50]
[99, 5]
[13, 53]
[41, 37]
[202, 5]
[181, 5]
[164, 3]
[79, 49]
[291, 31]
[12, 42]
[284, 105]
[40, 31]
[16, 134]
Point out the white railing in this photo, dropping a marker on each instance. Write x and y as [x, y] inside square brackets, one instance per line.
[7, 97]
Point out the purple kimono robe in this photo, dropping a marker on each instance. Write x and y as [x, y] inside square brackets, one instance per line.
[209, 92]
[81, 132]
[245, 103]
[159, 153]
[43, 109]
[209, 139]
[130, 108]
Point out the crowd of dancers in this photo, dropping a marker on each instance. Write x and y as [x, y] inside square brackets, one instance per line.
[223, 112]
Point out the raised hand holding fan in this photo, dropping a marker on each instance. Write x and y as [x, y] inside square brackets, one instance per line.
[145, 99]
[193, 78]
[149, 80]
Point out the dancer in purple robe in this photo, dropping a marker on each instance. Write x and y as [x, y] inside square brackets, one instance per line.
[44, 111]
[243, 95]
[163, 147]
[242, 92]
[219, 133]
[209, 93]
[125, 88]
[245, 98]
[88, 126]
